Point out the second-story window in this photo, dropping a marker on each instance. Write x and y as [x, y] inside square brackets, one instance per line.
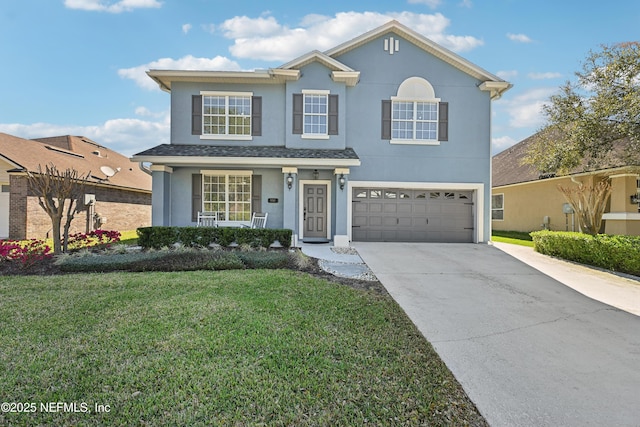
[414, 120]
[315, 113]
[226, 114]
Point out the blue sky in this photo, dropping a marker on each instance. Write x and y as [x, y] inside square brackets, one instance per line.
[77, 66]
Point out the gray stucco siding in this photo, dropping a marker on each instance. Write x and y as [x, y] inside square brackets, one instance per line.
[316, 76]
[273, 104]
[181, 194]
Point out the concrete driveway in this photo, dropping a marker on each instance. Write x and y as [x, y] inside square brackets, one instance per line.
[528, 350]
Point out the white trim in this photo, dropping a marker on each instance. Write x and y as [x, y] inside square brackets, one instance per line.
[624, 175]
[247, 161]
[338, 171]
[316, 91]
[622, 216]
[289, 170]
[227, 137]
[478, 198]
[314, 136]
[301, 185]
[226, 172]
[161, 168]
[224, 93]
[414, 141]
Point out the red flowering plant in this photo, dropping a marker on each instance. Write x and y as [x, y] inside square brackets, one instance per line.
[93, 239]
[27, 252]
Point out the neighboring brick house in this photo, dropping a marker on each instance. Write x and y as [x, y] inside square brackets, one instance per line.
[122, 201]
[386, 137]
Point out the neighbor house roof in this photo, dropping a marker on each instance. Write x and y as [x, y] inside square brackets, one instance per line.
[74, 152]
[508, 167]
[340, 72]
[264, 155]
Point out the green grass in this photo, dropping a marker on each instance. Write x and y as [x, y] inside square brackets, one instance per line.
[218, 348]
[513, 237]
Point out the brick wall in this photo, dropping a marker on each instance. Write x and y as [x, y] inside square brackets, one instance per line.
[123, 209]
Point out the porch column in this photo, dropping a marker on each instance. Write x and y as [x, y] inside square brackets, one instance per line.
[341, 237]
[161, 195]
[290, 201]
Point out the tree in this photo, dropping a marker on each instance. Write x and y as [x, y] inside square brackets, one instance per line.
[589, 202]
[590, 119]
[57, 192]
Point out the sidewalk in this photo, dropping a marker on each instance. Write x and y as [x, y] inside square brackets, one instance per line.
[617, 290]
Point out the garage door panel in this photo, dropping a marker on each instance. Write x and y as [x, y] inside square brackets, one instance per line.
[404, 215]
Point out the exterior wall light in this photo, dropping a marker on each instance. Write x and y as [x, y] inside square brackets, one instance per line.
[316, 174]
[289, 181]
[341, 181]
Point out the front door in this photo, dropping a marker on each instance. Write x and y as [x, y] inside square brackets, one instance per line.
[315, 211]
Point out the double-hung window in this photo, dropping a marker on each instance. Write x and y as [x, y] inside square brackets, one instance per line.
[497, 207]
[414, 120]
[315, 113]
[226, 115]
[228, 194]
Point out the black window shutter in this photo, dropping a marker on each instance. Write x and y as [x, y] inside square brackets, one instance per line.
[333, 115]
[256, 193]
[256, 116]
[386, 119]
[298, 113]
[443, 121]
[196, 114]
[196, 195]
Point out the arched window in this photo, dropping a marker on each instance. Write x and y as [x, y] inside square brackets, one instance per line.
[415, 115]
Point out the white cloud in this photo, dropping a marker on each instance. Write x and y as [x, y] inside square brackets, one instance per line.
[186, 28]
[501, 143]
[466, 3]
[521, 38]
[544, 76]
[431, 3]
[127, 136]
[507, 74]
[106, 6]
[265, 39]
[525, 110]
[189, 62]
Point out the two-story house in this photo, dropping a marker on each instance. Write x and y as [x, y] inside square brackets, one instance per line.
[383, 138]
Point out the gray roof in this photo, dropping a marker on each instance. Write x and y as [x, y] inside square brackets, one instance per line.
[179, 150]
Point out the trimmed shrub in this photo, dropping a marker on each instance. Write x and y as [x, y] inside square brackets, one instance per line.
[158, 237]
[270, 260]
[180, 259]
[616, 253]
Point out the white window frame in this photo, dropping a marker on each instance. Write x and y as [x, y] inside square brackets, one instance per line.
[227, 202]
[501, 208]
[226, 135]
[415, 120]
[312, 135]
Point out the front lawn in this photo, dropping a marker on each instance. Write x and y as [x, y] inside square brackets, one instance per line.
[513, 237]
[250, 347]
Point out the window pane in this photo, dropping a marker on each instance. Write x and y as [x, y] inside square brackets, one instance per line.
[226, 115]
[315, 114]
[497, 201]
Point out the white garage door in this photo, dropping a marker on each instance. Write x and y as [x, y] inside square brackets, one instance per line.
[397, 215]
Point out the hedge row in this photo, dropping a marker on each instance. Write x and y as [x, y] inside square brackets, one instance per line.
[186, 259]
[616, 253]
[158, 237]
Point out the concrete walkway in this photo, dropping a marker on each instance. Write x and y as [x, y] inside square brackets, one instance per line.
[618, 290]
[528, 350]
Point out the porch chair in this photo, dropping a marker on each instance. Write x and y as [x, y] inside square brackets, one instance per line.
[207, 219]
[258, 220]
